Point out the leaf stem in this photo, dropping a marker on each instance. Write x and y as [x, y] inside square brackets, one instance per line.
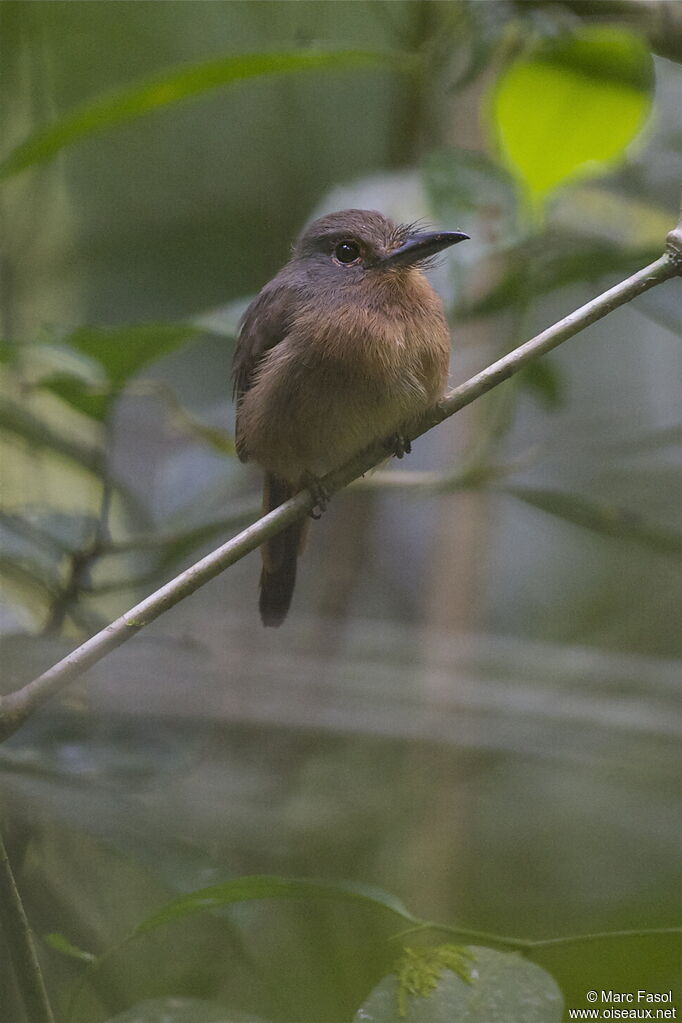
[530, 945]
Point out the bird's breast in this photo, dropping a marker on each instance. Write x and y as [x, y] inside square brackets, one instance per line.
[349, 372]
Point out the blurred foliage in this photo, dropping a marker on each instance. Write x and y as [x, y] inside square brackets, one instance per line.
[585, 97]
[173, 88]
[134, 227]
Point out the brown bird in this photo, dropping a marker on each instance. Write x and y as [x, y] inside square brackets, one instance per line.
[346, 345]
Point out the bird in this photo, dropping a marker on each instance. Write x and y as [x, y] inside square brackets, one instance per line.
[347, 345]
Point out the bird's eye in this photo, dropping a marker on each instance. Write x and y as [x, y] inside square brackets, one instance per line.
[347, 252]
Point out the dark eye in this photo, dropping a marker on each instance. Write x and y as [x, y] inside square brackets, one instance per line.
[347, 252]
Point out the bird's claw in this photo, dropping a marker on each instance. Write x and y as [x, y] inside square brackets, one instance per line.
[398, 444]
[319, 493]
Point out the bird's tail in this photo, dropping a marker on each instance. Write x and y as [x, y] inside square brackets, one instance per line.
[280, 555]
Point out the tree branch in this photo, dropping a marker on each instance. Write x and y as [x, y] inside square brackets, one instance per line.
[16, 707]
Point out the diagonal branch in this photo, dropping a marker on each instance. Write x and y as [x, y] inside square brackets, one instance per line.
[16, 707]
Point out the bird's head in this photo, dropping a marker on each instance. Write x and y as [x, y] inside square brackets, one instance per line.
[353, 244]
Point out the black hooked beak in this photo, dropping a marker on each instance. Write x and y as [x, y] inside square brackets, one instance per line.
[421, 245]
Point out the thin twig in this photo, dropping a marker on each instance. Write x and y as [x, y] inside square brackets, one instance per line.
[20, 944]
[17, 706]
[528, 946]
[82, 560]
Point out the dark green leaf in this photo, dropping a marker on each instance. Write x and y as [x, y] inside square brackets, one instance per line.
[256, 887]
[92, 402]
[600, 517]
[180, 84]
[123, 351]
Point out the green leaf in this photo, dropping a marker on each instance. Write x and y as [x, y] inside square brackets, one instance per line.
[61, 944]
[120, 352]
[18, 420]
[249, 889]
[92, 401]
[501, 987]
[600, 517]
[571, 106]
[419, 970]
[123, 351]
[41, 361]
[180, 84]
[257, 887]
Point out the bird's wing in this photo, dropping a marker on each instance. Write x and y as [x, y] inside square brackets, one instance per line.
[265, 323]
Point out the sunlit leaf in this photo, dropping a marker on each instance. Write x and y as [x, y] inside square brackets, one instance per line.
[180, 84]
[61, 944]
[600, 517]
[571, 106]
[501, 987]
[420, 970]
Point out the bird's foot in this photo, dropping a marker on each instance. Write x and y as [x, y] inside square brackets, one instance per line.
[319, 492]
[398, 445]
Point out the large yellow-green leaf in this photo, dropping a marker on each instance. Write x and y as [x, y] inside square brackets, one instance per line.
[571, 106]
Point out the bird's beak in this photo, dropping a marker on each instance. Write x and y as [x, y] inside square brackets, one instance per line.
[421, 245]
